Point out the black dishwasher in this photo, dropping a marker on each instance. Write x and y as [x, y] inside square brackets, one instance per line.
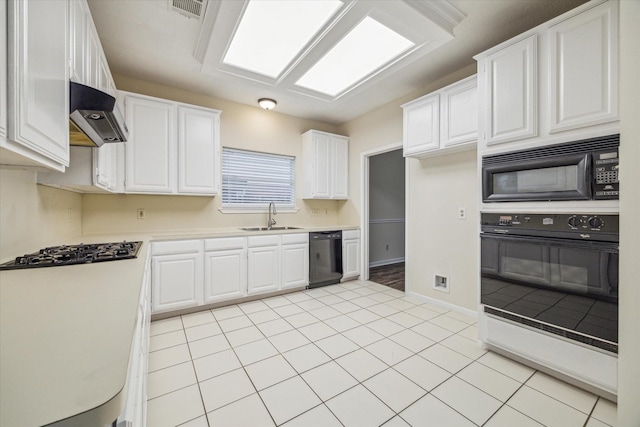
[325, 258]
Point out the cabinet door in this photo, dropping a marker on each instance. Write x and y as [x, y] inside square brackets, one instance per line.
[151, 148]
[38, 105]
[583, 80]
[105, 164]
[176, 281]
[340, 168]
[3, 76]
[510, 76]
[295, 265]
[321, 166]
[92, 55]
[263, 269]
[225, 274]
[78, 40]
[198, 150]
[459, 113]
[421, 127]
[350, 258]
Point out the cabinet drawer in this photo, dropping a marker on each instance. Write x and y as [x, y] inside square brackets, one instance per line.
[350, 234]
[257, 241]
[225, 243]
[175, 247]
[288, 239]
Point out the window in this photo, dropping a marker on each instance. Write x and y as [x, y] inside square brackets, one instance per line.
[252, 180]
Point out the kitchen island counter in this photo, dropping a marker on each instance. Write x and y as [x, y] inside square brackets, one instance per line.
[66, 332]
[65, 339]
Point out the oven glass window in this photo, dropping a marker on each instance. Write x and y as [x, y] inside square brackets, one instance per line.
[561, 178]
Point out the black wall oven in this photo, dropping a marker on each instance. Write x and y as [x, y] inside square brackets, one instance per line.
[580, 170]
[554, 272]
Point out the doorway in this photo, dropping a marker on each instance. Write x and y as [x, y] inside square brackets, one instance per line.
[384, 216]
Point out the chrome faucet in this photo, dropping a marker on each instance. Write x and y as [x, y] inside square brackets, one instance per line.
[271, 222]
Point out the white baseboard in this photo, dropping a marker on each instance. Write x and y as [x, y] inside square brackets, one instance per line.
[386, 262]
[443, 304]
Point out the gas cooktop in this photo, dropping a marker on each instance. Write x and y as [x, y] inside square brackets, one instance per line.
[75, 254]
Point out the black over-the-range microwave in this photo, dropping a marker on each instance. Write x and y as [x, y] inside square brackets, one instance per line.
[578, 170]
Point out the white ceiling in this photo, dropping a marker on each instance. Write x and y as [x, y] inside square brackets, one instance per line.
[145, 39]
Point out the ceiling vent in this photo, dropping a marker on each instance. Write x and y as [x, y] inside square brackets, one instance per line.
[189, 8]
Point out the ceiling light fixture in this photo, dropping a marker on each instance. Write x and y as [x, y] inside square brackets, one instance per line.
[267, 103]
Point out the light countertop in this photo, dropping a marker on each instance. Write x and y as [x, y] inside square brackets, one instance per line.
[65, 339]
[66, 332]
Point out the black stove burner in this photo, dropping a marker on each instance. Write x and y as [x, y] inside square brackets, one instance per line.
[75, 254]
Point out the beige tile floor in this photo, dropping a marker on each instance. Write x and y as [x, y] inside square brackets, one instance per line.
[355, 354]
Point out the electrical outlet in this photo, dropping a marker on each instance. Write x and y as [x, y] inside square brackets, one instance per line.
[386, 248]
[68, 214]
[141, 214]
[314, 212]
[462, 213]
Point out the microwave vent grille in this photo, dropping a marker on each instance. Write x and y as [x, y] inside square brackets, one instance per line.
[576, 147]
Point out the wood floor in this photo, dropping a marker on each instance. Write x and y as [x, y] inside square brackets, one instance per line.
[391, 275]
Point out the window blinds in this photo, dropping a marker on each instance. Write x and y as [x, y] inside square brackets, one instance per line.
[252, 179]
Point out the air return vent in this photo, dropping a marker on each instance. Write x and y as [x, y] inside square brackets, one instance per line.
[190, 8]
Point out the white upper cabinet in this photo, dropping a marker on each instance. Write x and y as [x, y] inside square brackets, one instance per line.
[583, 69]
[3, 77]
[78, 18]
[510, 105]
[105, 163]
[198, 129]
[442, 122]
[459, 113]
[91, 170]
[421, 125]
[38, 84]
[87, 61]
[173, 148]
[326, 165]
[339, 157]
[151, 147]
[555, 83]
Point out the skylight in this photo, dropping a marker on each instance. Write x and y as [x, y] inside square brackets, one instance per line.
[375, 45]
[272, 33]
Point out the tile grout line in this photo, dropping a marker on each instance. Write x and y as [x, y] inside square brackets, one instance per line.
[332, 359]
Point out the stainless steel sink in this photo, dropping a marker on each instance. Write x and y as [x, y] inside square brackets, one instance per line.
[269, 229]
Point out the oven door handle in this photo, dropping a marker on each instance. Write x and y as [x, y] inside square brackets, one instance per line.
[554, 242]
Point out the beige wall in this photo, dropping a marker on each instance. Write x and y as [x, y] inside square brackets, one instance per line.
[241, 127]
[629, 333]
[436, 188]
[33, 216]
[438, 242]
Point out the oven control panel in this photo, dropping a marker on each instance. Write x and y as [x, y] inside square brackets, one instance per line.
[582, 226]
[605, 175]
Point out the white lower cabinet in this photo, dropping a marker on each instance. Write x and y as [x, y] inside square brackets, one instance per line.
[189, 273]
[177, 275]
[263, 259]
[135, 408]
[225, 269]
[350, 254]
[295, 260]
